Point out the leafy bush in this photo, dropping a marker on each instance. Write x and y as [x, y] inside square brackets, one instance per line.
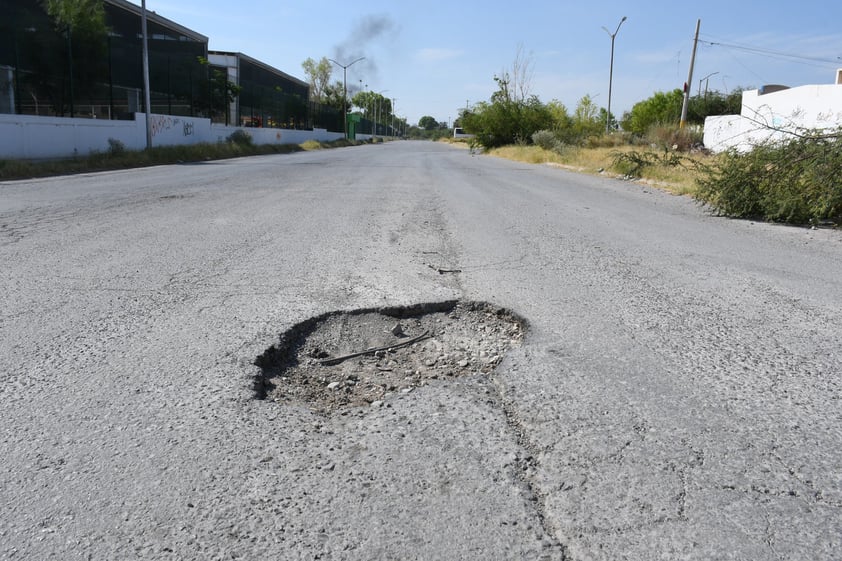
[116, 147]
[673, 138]
[660, 109]
[240, 138]
[586, 121]
[715, 103]
[504, 121]
[545, 139]
[513, 116]
[798, 182]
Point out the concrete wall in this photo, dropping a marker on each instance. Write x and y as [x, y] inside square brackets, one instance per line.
[768, 117]
[275, 136]
[31, 137]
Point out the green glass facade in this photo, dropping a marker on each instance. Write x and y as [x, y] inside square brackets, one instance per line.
[47, 69]
[50, 70]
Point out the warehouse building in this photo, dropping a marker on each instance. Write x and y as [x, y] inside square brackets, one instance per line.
[267, 96]
[48, 69]
[53, 71]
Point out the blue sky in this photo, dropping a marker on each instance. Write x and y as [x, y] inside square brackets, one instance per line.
[435, 56]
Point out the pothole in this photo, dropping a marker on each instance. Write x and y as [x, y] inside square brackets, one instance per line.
[359, 358]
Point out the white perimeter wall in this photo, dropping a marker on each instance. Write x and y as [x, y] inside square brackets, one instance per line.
[765, 118]
[31, 137]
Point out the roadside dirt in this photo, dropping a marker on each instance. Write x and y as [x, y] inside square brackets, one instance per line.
[360, 358]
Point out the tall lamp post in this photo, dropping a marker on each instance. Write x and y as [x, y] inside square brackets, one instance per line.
[345, 90]
[611, 73]
[705, 80]
[379, 111]
[394, 101]
[146, 95]
[367, 107]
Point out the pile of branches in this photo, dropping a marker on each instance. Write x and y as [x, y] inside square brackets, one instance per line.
[632, 164]
[798, 181]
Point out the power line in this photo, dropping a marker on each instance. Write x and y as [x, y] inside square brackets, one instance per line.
[769, 52]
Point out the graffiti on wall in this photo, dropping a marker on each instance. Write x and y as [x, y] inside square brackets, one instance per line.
[162, 123]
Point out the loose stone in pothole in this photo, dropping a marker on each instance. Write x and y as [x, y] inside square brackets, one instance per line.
[360, 358]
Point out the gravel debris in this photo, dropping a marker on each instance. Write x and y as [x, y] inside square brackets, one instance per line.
[465, 338]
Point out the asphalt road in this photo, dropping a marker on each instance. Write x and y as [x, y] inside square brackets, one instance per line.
[677, 395]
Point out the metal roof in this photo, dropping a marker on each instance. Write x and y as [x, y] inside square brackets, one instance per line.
[263, 65]
[160, 20]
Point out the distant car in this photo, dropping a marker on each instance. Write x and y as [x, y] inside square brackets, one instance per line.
[459, 133]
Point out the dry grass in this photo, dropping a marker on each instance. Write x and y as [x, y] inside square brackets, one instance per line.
[677, 180]
[126, 159]
[311, 145]
[529, 154]
[459, 142]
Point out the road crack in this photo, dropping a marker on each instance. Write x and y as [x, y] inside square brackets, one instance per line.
[526, 465]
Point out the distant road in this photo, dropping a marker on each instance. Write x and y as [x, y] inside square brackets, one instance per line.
[677, 397]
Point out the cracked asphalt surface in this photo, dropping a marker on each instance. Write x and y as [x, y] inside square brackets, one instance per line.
[677, 395]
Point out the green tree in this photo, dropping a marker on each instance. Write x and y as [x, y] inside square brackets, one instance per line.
[714, 103]
[428, 123]
[80, 16]
[334, 96]
[560, 116]
[373, 102]
[329, 110]
[318, 74]
[505, 121]
[663, 108]
[81, 23]
[378, 109]
[512, 115]
[586, 111]
[586, 118]
[611, 119]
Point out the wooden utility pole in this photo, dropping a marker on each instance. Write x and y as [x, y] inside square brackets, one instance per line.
[683, 121]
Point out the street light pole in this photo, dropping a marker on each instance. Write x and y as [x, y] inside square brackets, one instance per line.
[611, 73]
[367, 106]
[146, 95]
[379, 111]
[705, 80]
[345, 91]
[394, 101]
[363, 109]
